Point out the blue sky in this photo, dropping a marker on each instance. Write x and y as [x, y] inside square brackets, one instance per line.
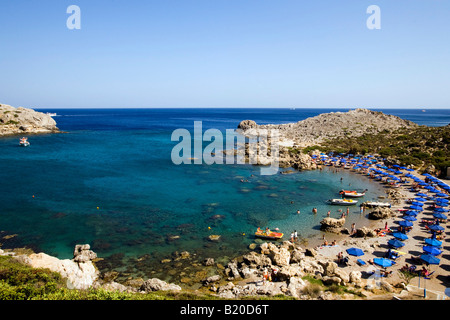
[225, 53]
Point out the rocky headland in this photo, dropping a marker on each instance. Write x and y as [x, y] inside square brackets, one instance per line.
[21, 121]
[315, 130]
[358, 131]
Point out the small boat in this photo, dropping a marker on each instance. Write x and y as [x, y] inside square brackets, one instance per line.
[376, 204]
[24, 142]
[51, 114]
[268, 234]
[342, 202]
[352, 194]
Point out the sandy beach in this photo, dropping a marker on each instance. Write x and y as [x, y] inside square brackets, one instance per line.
[377, 247]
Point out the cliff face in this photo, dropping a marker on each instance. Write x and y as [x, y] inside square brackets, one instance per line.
[331, 125]
[24, 121]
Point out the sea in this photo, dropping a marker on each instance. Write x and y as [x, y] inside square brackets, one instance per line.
[109, 181]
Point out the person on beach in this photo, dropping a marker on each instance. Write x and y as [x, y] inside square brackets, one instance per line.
[265, 276]
[295, 235]
[340, 256]
[328, 213]
[353, 231]
[348, 210]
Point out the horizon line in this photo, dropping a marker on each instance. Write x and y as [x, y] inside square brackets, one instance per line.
[288, 108]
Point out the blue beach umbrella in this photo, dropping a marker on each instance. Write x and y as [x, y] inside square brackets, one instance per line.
[429, 259]
[411, 213]
[440, 210]
[410, 218]
[432, 250]
[433, 242]
[395, 243]
[440, 216]
[415, 203]
[383, 262]
[404, 223]
[440, 194]
[421, 194]
[355, 252]
[420, 199]
[436, 227]
[400, 236]
[416, 208]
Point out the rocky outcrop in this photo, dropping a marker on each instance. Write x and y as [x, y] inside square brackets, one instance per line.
[315, 130]
[22, 121]
[155, 284]
[289, 264]
[380, 213]
[332, 225]
[80, 271]
[247, 124]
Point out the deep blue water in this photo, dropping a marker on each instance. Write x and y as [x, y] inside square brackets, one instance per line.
[109, 181]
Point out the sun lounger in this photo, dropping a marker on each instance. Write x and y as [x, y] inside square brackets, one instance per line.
[361, 262]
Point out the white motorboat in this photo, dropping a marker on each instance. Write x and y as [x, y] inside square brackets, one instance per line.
[342, 202]
[376, 204]
[24, 142]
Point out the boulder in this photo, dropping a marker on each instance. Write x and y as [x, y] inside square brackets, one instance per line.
[380, 213]
[254, 259]
[297, 256]
[79, 275]
[281, 257]
[82, 253]
[212, 279]
[209, 262]
[232, 270]
[247, 124]
[332, 225]
[365, 232]
[155, 284]
[355, 277]
[295, 286]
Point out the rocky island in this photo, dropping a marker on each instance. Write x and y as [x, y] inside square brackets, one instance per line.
[17, 121]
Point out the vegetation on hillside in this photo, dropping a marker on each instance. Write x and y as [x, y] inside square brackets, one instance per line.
[22, 282]
[420, 147]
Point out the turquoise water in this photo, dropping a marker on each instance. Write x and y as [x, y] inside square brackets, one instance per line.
[110, 182]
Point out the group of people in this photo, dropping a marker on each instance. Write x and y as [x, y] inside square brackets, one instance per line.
[272, 276]
[294, 236]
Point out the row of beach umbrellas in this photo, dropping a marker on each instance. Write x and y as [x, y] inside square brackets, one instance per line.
[433, 246]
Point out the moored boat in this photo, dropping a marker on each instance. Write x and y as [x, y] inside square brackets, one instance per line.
[268, 234]
[352, 193]
[342, 202]
[24, 142]
[376, 204]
